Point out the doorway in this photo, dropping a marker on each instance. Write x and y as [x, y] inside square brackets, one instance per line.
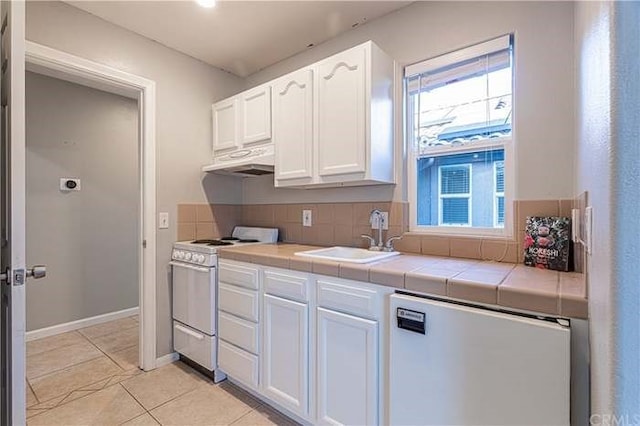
[82, 199]
[62, 66]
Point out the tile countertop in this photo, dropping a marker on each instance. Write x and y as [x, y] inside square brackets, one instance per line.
[503, 284]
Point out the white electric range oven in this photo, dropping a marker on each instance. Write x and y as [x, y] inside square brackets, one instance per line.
[194, 293]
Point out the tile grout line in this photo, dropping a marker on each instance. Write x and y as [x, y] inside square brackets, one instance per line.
[166, 402]
[64, 397]
[154, 417]
[124, 349]
[136, 400]
[110, 333]
[32, 391]
[64, 368]
[85, 338]
[242, 416]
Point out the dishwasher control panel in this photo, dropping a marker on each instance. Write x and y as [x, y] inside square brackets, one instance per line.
[411, 320]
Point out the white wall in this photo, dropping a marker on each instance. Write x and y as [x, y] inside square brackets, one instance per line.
[608, 167]
[185, 90]
[544, 86]
[87, 239]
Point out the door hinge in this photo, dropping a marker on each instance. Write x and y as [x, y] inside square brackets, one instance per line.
[144, 243]
[4, 276]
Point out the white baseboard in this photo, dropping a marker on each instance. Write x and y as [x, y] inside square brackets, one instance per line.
[75, 325]
[167, 359]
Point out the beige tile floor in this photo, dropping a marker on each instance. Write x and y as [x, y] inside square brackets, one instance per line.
[91, 376]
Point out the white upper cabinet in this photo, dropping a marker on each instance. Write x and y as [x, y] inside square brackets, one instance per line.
[293, 128]
[341, 113]
[334, 121]
[242, 120]
[225, 127]
[255, 105]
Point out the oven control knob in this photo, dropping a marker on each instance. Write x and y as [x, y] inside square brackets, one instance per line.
[196, 258]
[187, 256]
[174, 254]
[179, 254]
[201, 258]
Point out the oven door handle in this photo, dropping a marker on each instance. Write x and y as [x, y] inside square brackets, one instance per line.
[187, 266]
[185, 330]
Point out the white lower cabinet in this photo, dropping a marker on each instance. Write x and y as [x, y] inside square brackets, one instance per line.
[347, 365]
[308, 344]
[238, 363]
[285, 357]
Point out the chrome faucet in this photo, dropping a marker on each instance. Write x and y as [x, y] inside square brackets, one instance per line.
[376, 214]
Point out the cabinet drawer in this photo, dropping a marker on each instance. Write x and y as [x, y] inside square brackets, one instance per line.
[348, 298]
[241, 333]
[238, 301]
[242, 276]
[290, 286]
[196, 346]
[238, 364]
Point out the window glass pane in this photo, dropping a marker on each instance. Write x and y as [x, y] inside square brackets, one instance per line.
[468, 177]
[454, 180]
[455, 211]
[463, 103]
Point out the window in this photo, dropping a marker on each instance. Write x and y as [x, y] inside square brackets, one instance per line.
[459, 127]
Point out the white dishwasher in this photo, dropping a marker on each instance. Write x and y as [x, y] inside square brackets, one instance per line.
[452, 364]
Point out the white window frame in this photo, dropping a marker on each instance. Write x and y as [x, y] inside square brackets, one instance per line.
[505, 143]
[467, 195]
[497, 194]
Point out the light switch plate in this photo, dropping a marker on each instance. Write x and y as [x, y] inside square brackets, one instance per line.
[588, 229]
[306, 218]
[163, 220]
[385, 221]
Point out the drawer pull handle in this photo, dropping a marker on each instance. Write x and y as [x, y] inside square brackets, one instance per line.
[189, 332]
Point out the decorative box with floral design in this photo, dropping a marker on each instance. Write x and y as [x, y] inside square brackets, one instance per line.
[547, 242]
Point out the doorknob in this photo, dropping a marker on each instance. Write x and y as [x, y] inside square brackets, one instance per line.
[38, 271]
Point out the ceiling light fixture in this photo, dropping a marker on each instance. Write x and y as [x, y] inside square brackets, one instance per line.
[206, 3]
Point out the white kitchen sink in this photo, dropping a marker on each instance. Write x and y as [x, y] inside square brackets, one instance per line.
[347, 254]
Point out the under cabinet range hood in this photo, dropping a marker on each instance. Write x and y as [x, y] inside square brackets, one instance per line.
[244, 162]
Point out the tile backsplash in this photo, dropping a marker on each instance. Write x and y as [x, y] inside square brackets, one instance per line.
[343, 223]
[207, 220]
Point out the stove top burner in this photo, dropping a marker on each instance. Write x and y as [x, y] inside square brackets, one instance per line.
[203, 241]
[212, 242]
[240, 240]
[219, 243]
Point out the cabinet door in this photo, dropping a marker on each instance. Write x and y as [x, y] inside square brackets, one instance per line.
[342, 113]
[293, 126]
[225, 129]
[285, 355]
[256, 115]
[347, 369]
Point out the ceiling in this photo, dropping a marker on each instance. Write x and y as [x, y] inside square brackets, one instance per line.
[241, 37]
